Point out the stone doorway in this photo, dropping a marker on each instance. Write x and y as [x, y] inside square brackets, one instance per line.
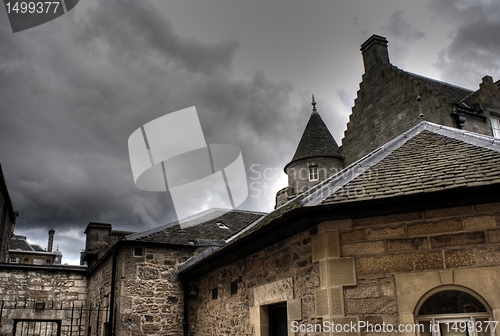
[278, 323]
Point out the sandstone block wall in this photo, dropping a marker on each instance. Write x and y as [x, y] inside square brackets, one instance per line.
[352, 270]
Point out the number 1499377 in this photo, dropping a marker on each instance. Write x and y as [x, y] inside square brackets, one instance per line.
[32, 7]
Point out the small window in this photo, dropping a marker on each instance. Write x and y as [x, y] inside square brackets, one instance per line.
[215, 293]
[234, 287]
[495, 126]
[14, 260]
[313, 174]
[38, 262]
[138, 251]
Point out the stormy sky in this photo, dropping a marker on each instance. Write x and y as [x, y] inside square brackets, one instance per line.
[73, 90]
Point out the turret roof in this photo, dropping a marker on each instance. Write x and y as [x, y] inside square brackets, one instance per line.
[316, 140]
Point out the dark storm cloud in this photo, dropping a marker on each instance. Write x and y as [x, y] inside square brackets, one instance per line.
[71, 99]
[402, 33]
[475, 42]
[136, 27]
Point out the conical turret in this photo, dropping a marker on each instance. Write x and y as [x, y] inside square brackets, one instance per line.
[316, 158]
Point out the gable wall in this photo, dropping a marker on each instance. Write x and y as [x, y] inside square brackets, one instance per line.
[386, 106]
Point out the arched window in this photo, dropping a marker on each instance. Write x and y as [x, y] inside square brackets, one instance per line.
[455, 311]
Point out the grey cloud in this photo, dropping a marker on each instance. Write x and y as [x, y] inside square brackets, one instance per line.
[402, 33]
[475, 42]
[71, 99]
[346, 98]
[135, 27]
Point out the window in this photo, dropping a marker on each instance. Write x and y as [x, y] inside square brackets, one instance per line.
[313, 174]
[137, 251]
[38, 262]
[14, 260]
[454, 312]
[495, 126]
[234, 287]
[215, 293]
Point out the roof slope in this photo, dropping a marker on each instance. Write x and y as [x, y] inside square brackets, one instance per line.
[19, 244]
[427, 158]
[316, 140]
[204, 230]
[453, 92]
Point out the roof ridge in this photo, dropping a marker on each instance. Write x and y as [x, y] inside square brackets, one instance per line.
[437, 81]
[352, 171]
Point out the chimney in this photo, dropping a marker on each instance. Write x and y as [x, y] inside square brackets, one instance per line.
[51, 240]
[375, 53]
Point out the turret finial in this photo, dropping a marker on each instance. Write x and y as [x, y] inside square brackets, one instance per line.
[313, 103]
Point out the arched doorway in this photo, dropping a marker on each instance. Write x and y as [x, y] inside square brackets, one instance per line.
[454, 311]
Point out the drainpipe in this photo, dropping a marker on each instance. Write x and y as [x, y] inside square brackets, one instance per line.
[112, 295]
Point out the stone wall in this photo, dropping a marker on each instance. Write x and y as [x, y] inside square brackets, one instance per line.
[353, 269]
[149, 296]
[58, 288]
[281, 272]
[6, 222]
[381, 249]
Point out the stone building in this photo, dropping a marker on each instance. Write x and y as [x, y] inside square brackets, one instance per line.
[404, 240]
[22, 252]
[399, 226]
[387, 104]
[7, 219]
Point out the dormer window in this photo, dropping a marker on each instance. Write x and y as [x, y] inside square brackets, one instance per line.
[495, 126]
[313, 174]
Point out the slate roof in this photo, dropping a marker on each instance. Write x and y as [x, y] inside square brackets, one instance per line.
[204, 230]
[427, 158]
[316, 141]
[19, 244]
[453, 92]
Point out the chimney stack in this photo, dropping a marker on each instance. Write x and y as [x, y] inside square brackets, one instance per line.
[375, 53]
[51, 240]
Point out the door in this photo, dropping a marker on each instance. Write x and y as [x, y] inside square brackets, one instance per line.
[278, 322]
